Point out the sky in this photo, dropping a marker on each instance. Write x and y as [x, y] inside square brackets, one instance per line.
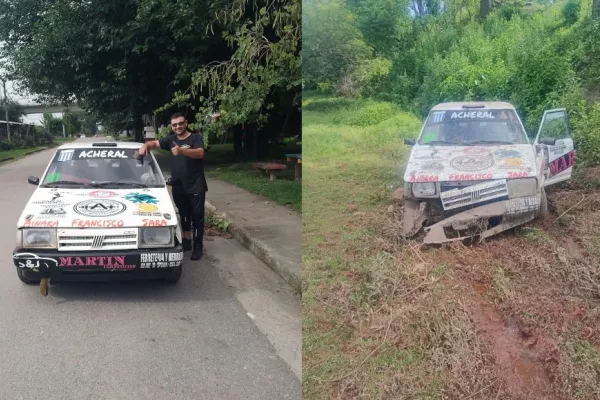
[25, 98]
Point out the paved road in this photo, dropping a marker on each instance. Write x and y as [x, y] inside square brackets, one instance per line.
[144, 340]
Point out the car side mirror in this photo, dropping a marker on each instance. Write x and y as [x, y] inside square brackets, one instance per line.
[410, 142]
[168, 181]
[548, 141]
[33, 180]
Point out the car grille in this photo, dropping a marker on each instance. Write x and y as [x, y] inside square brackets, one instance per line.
[97, 239]
[473, 194]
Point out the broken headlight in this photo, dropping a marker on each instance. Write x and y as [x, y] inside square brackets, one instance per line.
[423, 189]
[522, 187]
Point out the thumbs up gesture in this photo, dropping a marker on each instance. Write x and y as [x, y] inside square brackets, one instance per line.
[176, 150]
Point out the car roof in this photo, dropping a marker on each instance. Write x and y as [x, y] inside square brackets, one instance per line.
[474, 105]
[98, 144]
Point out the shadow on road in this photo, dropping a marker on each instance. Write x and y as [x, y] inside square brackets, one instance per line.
[199, 283]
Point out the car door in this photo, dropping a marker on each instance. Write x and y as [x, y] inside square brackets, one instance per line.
[560, 156]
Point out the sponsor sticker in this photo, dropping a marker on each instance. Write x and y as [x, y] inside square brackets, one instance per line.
[65, 155]
[471, 162]
[102, 194]
[104, 262]
[161, 260]
[99, 208]
[140, 198]
[33, 261]
[87, 154]
[521, 205]
[98, 223]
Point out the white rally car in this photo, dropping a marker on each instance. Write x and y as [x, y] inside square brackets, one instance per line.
[474, 172]
[98, 212]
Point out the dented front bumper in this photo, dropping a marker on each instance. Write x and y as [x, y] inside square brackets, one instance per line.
[484, 221]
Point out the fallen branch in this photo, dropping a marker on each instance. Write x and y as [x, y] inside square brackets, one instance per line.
[561, 215]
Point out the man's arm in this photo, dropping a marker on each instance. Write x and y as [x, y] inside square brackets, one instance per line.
[198, 151]
[155, 144]
[192, 153]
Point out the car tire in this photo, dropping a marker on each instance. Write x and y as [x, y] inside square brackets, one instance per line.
[25, 277]
[543, 204]
[174, 275]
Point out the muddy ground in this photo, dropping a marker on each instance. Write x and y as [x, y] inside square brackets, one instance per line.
[532, 296]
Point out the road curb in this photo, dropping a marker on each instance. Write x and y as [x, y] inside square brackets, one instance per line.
[261, 250]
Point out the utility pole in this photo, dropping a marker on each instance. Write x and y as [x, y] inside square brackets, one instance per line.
[6, 108]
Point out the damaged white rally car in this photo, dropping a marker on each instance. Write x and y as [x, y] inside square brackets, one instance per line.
[473, 172]
[99, 212]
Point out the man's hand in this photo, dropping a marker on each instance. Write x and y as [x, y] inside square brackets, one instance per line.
[143, 150]
[176, 150]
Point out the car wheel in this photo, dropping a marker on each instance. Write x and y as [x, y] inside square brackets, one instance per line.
[27, 278]
[543, 204]
[174, 275]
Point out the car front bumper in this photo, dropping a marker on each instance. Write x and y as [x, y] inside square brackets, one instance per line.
[510, 213]
[99, 265]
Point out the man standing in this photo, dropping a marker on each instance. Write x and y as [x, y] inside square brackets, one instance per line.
[189, 183]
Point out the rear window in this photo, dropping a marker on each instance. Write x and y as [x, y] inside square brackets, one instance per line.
[87, 165]
[464, 127]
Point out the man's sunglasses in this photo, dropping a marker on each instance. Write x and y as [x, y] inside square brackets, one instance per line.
[175, 125]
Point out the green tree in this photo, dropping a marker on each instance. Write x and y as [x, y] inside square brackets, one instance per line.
[125, 57]
[52, 125]
[71, 123]
[333, 44]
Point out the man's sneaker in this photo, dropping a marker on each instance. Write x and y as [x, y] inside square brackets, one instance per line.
[196, 254]
[187, 244]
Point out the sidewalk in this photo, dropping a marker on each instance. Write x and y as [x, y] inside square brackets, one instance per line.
[271, 232]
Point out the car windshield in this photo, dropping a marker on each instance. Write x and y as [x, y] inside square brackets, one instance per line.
[102, 167]
[468, 127]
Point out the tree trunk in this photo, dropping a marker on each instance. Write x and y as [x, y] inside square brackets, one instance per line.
[485, 6]
[595, 9]
[138, 129]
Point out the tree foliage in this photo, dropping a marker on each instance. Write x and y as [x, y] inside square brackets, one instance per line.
[262, 76]
[534, 56]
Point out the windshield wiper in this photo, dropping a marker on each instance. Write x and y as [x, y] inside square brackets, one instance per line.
[53, 184]
[437, 142]
[114, 183]
[489, 142]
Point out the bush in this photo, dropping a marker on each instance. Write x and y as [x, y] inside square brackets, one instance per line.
[6, 145]
[367, 113]
[570, 11]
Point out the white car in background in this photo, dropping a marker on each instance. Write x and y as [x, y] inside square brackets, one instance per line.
[473, 172]
[98, 212]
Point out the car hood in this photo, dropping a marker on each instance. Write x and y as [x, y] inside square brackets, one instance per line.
[464, 163]
[98, 208]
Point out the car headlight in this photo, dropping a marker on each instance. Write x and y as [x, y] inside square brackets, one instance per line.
[156, 237]
[423, 189]
[37, 238]
[522, 187]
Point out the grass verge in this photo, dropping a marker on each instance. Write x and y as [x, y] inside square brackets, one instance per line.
[284, 191]
[7, 155]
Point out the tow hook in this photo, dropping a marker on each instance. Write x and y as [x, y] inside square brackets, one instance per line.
[44, 285]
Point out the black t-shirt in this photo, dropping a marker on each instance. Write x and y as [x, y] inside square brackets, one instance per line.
[189, 172]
